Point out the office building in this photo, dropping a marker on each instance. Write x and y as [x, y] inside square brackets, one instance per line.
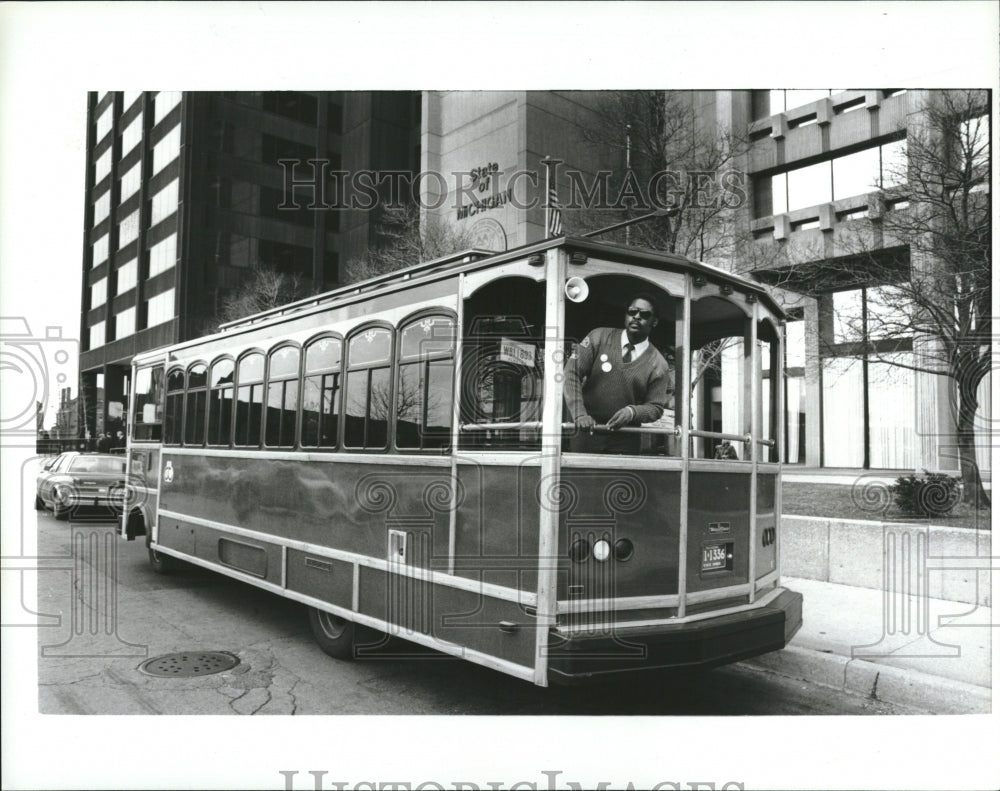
[185, 194]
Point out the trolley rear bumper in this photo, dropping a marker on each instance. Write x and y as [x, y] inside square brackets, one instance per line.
[697, 644]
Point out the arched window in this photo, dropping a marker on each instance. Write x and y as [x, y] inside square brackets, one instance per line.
[424, 387]
[249, 399]
[282, 396]
[368, 389]
[175, 407]
[321, 393]
[195, 402]
[220, 402]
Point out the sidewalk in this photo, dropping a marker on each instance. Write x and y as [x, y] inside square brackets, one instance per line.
[928, 654]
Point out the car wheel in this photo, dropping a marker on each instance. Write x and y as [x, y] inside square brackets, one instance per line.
[333, 634]
[39, 505]
[160, 563]
[62, 514]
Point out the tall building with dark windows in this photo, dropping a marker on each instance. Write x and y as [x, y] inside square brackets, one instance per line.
[185, 194]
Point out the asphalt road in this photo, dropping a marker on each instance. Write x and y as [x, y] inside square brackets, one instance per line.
[95, 634]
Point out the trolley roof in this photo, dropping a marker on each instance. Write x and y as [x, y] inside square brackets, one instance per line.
[471, 259]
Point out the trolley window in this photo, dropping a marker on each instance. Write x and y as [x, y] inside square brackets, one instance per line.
[249, 400]
[369, 389]
[220, 402]
[321, 393]
[425, 384]
[282, 396]
[195, 403]
[147, 395]
[175, 407]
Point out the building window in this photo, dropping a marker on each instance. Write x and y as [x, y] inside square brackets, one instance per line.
[868, 389]
[167, 149]
[98, 293]
[132, 134]
[163, 255]
[282, 396]
[321, 393]
[128, 229]
[856, 174]
[194, 405]
[220, 404]
[102, 207]
[96, 335]
[130, 181]
[160, 308]
[164, 203]
[100, 250]
[249, 400]
[164, 102]
[368, 389]
[126, 277]
[102, 166]
[879, 167]
[424, 389]
[125, 323]
[104, 121]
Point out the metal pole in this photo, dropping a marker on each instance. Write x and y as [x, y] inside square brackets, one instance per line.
[628, 169]
[548, 196]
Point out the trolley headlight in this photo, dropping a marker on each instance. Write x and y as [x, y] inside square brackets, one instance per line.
[602, 550]
[579, 550]
[623, 549]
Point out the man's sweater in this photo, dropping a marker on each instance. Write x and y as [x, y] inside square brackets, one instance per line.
[598, 383]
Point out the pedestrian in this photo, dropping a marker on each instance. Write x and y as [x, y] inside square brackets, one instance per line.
[120, 439]
[618, 378]
[104, 443]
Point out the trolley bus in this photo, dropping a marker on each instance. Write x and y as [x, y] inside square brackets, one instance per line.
[393, 455]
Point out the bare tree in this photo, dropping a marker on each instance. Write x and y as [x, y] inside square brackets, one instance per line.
[404, 239]
[925, 261]
[264, 289]
[702, 180]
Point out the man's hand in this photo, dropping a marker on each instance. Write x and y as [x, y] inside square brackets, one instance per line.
[586, 423]
[620, 418]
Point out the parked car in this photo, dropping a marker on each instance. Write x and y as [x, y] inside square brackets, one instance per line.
[76, 480]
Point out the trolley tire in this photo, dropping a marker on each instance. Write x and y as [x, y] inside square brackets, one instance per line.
[333, 634]
[160, 563]
[39, 505]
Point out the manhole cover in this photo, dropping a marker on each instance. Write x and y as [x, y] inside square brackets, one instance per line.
[189, 663]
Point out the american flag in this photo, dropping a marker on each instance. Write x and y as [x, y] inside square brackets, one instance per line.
[555, 214]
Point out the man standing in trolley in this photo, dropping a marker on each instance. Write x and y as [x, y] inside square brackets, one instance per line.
[617, 378]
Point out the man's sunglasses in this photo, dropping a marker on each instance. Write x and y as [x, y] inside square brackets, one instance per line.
[642, 314]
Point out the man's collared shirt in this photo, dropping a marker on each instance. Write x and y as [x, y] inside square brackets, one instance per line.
[637, 348]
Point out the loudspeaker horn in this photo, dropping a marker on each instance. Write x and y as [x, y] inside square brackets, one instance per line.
[576, 289]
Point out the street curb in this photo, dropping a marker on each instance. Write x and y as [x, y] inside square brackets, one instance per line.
[880, 682]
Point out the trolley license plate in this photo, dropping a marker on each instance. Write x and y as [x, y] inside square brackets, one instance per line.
[715, 557]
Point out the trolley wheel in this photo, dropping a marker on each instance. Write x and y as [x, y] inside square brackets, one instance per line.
[333, 634]
[161, 564]
[39, 505]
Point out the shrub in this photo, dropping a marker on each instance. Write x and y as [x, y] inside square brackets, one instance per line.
[927, 494]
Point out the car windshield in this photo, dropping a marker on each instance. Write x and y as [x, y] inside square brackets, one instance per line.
[97, 464]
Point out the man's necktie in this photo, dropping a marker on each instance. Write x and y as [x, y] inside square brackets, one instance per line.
[627, 357]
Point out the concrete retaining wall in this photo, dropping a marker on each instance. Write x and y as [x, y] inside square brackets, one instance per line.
[953, 563]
